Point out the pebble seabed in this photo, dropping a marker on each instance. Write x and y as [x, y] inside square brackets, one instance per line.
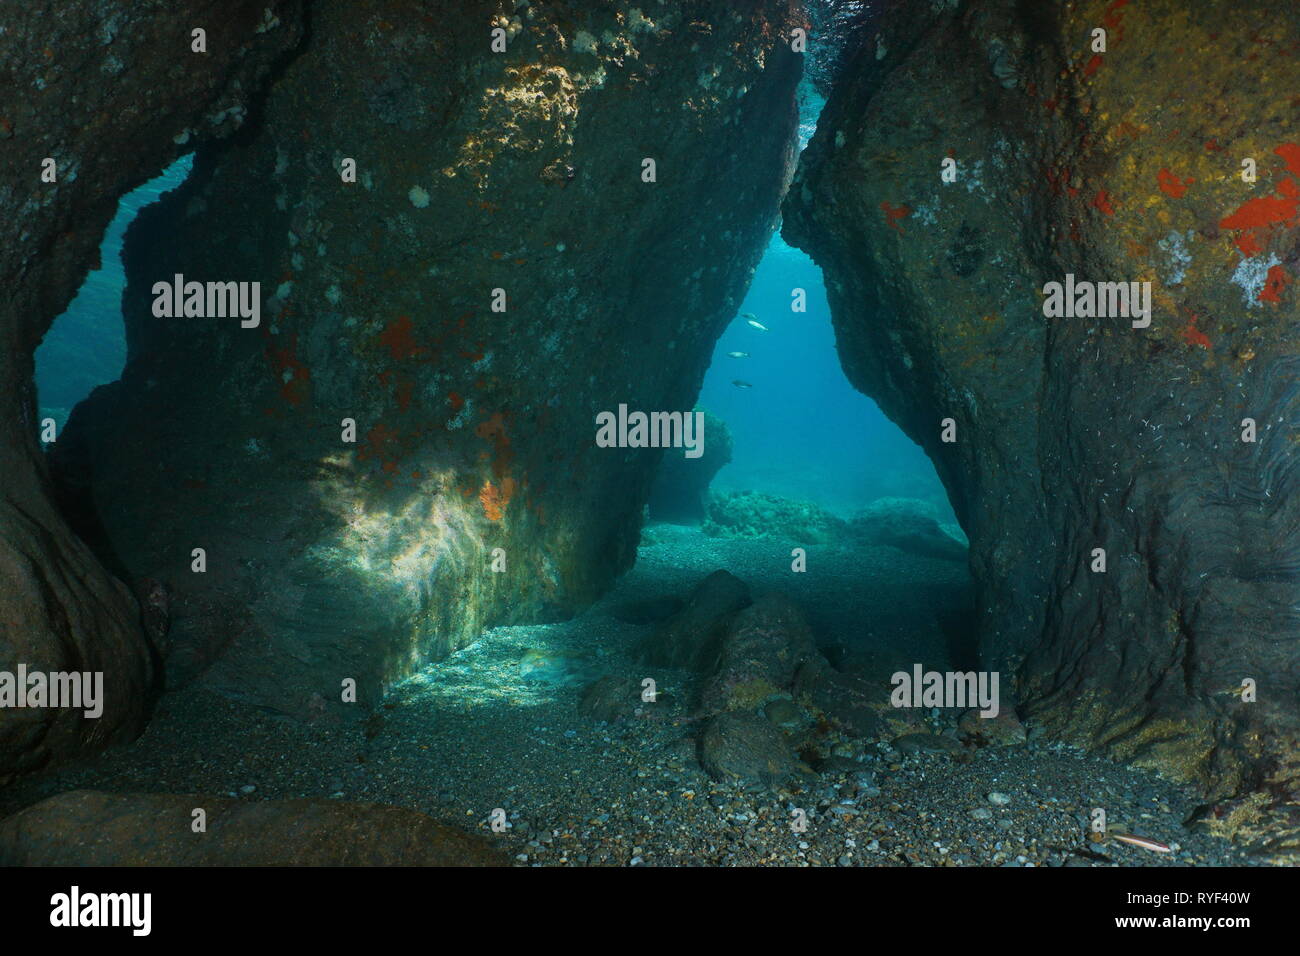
[477, 732]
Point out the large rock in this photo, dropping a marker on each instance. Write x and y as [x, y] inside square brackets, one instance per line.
[906, 524]
[691, 638]
[1075, 434]
[745, 749]
[110, 91]
[88, 828]
[681, 483]
[477, 171]
[753, 514]
[853, 704]
[761, 649]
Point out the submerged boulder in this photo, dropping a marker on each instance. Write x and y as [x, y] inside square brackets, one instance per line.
[759, 653]
[681, 484]
[89, 828]
[852, 704]
[747, 749]
[691, 637]
[610, 698]
[752, 514]
[906, 524]
[1161, 442]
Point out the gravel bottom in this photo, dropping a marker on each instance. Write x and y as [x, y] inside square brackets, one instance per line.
[497, 726]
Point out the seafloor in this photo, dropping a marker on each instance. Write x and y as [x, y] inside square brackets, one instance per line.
[498, 725]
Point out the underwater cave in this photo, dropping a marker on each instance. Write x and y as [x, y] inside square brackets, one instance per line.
[307, 508]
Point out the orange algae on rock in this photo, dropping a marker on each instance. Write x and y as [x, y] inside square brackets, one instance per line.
[495, 499]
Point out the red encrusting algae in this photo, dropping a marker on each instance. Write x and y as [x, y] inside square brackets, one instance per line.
[1171, 185]
[894, 213]
[1274, 284]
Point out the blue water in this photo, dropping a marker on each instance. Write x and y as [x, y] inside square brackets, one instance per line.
[86, 345]
[802, 431]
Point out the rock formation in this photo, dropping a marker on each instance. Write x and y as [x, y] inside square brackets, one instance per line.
[1121, 164]
[505, 266]
[88, 828]
[681, 483]
[103, 96]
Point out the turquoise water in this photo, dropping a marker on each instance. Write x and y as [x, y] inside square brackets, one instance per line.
[802, 431]
[86, 345]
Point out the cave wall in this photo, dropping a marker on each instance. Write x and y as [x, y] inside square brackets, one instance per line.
[1075, 434]
[106, 90]
[521, 171]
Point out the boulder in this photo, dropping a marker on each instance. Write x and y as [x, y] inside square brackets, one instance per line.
[849, 703]
[610, 698]
[681, 484]
[906, 524]
[691, 637]
[89, 828]
[752, 514]
[745, 748]
[759, 653]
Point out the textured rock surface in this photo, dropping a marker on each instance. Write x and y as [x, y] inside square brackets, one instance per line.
[762, 648]
[753, 514]
[681, 483]
[1077, 433]
[88, 828]
[691, 637]
[745, 748]
[105, 90]
[906, 524]
[476, 171]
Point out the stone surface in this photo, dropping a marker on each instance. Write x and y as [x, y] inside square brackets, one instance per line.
[681, 483]
[89, 828]
[691, 637]
[906, 524]
[1074, 434]
[760, 651]
[519, 171]
[745, 748]
[610, 698]
[752, 514]
[850, 703]
[108, 91]
[1004, 730]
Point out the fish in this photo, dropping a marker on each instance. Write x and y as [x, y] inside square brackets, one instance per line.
[738, 354]
[1155, 846]
[759, 325]
[740, 384]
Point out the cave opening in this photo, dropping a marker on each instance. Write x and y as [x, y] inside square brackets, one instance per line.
[367, 557]
[795, 453]
[86, 345]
